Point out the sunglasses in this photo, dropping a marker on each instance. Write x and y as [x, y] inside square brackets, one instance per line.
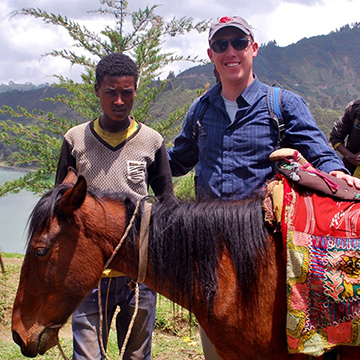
[221, 46]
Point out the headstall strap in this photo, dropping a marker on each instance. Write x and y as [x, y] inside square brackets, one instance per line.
[144, 241]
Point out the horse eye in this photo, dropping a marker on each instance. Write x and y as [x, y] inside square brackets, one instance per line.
[41, 252]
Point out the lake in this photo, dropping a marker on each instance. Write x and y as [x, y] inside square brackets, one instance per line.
[15, 210]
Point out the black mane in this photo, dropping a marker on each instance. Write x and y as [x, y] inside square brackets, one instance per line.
[44, 209]
[188, 238]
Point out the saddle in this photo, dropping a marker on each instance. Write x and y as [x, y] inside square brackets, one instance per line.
[304, 177]
[319, 218]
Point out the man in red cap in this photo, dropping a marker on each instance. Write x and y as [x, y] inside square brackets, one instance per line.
[230, 146]
[236, 134]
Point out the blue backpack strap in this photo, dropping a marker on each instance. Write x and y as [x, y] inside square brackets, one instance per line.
[275, 110]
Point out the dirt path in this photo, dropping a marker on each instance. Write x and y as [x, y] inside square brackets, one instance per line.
[12, 261]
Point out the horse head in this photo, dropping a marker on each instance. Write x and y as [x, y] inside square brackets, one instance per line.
[60, 267]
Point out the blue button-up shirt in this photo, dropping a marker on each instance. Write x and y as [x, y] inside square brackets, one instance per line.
[232, 157]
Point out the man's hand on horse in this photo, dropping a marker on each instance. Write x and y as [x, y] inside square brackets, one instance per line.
[350, 180]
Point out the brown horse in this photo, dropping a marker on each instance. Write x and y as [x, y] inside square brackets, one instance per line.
[216, 259]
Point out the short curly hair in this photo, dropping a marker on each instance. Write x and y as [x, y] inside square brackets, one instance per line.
[118, 65]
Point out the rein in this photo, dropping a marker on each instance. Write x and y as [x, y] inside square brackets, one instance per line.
[126, 233]
[143, 256]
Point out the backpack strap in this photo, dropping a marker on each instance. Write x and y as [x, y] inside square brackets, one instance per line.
[274, 106]
[275, 111]
[198, 128]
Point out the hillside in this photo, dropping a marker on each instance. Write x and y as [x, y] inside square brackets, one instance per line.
[34, 99]
[323, 69]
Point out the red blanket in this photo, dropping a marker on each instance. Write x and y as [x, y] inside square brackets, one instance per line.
[322, 237]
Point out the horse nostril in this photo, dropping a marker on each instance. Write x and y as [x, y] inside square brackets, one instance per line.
[17, 338]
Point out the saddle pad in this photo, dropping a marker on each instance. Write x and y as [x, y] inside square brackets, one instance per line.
[321, 182]
[322, 237]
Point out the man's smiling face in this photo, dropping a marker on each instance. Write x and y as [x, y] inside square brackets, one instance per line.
[234, 66]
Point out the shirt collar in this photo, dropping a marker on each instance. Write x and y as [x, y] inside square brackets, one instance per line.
[248, 97]
[250, 94]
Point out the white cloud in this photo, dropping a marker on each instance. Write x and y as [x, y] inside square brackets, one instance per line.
[291, 22]
[24, 39]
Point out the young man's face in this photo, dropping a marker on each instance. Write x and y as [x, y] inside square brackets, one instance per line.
[116, 96]
[234, 66]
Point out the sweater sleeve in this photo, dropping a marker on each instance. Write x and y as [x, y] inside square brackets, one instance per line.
[65, 160]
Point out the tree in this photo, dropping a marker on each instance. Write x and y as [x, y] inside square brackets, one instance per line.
[40, 142]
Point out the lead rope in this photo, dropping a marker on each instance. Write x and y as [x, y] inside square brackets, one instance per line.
[136, 291]
[130, 325]
[143, 255]
[131, 322]
[99, 296]
[62, 351]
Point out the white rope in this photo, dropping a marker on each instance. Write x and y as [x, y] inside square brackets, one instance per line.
[136, 291]
[131, 322]
[62, 351]
[100, 323]
[124, 236]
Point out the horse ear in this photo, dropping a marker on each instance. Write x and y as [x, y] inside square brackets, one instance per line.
[73, 198]
[71, 177]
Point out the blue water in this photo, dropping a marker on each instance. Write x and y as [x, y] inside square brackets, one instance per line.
[14, 213]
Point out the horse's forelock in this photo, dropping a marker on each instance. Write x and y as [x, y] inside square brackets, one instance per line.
[44, 209]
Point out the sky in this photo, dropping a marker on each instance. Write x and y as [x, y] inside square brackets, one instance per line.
[24, 40]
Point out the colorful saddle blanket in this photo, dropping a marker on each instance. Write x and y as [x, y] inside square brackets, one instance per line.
[322, 236]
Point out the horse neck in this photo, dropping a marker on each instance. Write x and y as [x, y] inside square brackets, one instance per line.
[109, 228]
[104, 222]
[126, 258]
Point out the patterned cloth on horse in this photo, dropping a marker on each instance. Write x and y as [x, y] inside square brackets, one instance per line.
[322, 237]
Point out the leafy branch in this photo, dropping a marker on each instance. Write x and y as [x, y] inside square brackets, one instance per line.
[39, 143]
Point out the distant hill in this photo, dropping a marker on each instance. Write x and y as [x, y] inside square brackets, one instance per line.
[325, 70]
[22, 87]
[34, 99]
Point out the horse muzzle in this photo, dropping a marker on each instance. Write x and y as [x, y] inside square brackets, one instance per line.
[37, 342]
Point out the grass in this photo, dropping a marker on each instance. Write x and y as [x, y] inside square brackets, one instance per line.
[12, 255]
[175, 337]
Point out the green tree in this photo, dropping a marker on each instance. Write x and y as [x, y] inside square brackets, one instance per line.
[40, 142]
